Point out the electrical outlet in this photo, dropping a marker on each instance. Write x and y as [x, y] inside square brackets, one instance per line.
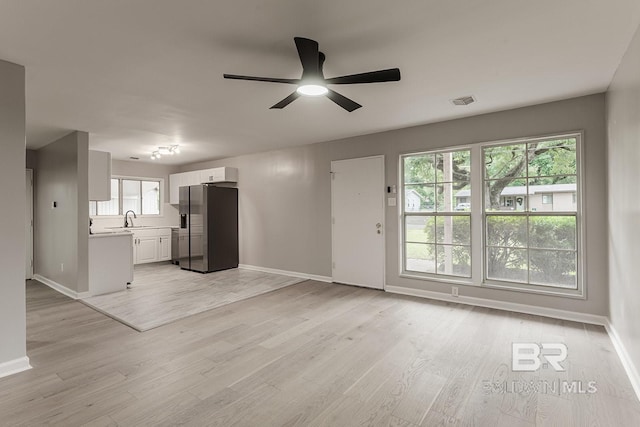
[61, 268]
[454, 291]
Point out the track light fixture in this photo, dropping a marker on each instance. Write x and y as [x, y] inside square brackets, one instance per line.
[165, 151]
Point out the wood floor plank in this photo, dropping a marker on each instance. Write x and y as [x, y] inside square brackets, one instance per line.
[308, 354]
[162, 293]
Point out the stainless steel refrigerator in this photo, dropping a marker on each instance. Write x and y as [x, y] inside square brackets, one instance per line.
[208, 235]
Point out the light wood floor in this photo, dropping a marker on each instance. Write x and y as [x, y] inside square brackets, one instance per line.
[309, 354]
[162, 293]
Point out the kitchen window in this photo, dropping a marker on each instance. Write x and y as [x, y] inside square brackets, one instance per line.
[143, 196]
[520, 227]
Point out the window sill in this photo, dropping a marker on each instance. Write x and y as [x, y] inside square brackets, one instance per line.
[505, 286]
[452, 280]
[536, 289]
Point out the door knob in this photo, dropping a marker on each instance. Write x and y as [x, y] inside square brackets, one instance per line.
[378, 225]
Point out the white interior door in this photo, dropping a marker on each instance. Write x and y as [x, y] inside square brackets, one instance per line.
[29, 225]
[357, 209]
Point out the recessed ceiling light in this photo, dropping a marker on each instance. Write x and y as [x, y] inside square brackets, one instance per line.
[464, 100]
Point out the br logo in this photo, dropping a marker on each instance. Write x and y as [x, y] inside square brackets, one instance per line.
[530, 356]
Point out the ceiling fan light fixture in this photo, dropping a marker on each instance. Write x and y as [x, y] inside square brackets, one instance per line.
[312, 90]
[313, 82]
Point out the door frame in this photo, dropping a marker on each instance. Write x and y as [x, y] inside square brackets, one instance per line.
[29, 213]
[384, 220]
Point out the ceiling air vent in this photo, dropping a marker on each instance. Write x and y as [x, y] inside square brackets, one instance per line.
[463, 100]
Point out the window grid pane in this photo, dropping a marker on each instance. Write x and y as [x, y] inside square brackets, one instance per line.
[151, 197]
[131, 198]
[110, 207]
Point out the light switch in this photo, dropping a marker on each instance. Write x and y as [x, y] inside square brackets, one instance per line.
[391, 201]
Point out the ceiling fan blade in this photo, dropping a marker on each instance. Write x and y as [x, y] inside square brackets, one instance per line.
[288, 100]
[343, 101]
[309, 56]
[390, 75]
[261, 79]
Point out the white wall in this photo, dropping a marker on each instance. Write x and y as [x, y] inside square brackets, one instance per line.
[169, 216]
[623, 119]
[12, 211]
[285, 195]
[61, 238]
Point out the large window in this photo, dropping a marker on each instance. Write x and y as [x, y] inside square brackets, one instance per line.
[534, 242]
[139, 195]
[437, 219]
[519, 227]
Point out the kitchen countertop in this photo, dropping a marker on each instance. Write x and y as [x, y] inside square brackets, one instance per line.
[143, 227]
[104, 233]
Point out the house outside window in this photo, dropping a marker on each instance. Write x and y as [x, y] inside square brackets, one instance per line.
[527, 230]
[141, 195]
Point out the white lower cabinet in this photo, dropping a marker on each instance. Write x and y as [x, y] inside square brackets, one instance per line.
[151, 245]
[146, 249]
[164, 248]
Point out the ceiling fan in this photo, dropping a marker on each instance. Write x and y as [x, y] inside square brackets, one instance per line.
[313, 83]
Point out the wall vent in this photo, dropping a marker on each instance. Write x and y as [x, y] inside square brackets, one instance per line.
[463, 100]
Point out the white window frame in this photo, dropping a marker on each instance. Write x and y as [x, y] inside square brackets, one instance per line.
[439, 277]
[478, 222]
[135, 178]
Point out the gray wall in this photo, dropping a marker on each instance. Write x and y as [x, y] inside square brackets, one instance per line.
[143, 170]
[12, 212]
[31, 159]
[285, 195]
[623, 117]
[62, 234]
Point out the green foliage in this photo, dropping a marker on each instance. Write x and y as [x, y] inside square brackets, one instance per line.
[506, 165]
[515, 243]
[539, 246]
[453, 230]
[436, 178]
[552, 158]
[546, 162]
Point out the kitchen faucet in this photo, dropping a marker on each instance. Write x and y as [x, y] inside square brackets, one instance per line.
[126, 222]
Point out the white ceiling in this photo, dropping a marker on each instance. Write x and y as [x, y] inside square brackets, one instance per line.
[137, 74]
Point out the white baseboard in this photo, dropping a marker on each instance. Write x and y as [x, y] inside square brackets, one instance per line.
[625, 358]
[60, 288]
[14, 366]
[286, 273]
[501, 305]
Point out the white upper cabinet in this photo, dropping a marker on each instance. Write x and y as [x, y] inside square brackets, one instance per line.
[177, 180]
[99, 175]
[219, 175]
